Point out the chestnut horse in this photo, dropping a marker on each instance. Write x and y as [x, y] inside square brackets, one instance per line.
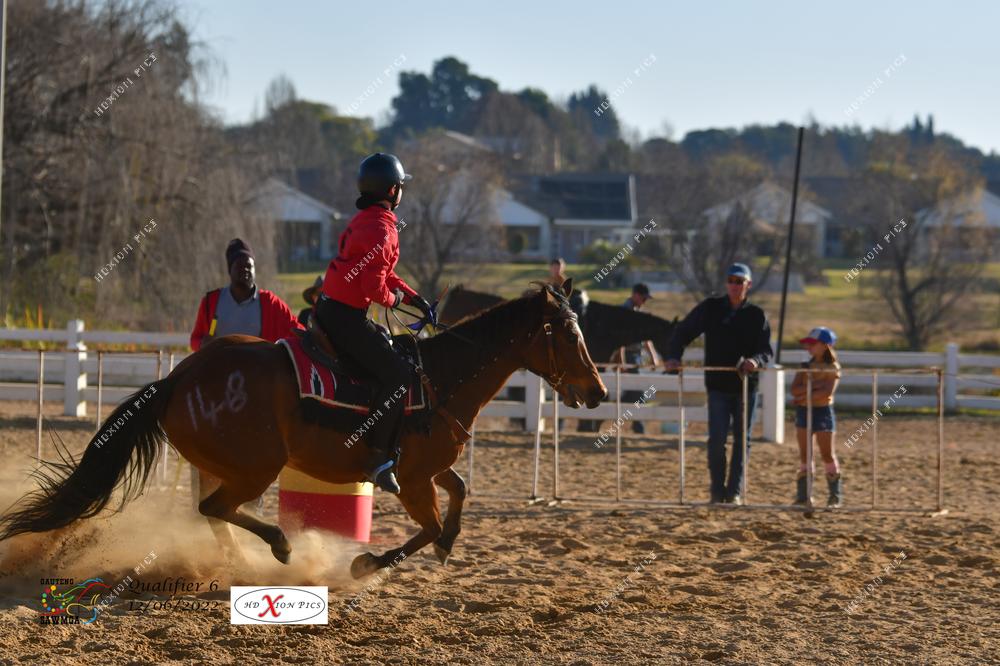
[255, 424]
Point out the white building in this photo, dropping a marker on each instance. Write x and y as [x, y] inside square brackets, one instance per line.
[306, 225]
[561, 214]
[976, 210]
[770, 207]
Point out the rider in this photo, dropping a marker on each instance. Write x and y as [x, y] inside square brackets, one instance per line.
[362, 273]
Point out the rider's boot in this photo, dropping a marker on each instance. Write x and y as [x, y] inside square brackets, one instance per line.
[379, 468]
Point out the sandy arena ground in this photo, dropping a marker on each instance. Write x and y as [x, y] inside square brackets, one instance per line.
[563, 582]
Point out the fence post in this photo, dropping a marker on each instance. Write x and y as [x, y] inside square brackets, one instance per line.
[534, 395]
[951, 376]
[75, 379]
[772, 387]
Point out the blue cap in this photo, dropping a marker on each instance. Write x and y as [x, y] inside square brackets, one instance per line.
[739, 270]
[821, 334]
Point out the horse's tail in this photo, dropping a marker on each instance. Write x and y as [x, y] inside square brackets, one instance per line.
[122, 453]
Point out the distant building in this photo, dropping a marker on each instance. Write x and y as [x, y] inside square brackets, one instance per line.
[305, 225]
[977, 210]
[561, 214]
[770, 206]
[548, 215]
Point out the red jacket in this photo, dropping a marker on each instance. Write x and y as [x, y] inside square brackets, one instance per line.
[364, 268]
[276, 320]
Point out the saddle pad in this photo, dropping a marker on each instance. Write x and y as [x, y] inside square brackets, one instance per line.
[339, 389]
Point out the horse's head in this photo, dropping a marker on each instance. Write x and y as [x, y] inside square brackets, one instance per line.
[558, 354]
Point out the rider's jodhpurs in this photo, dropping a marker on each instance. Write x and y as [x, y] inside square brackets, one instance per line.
[356, 337]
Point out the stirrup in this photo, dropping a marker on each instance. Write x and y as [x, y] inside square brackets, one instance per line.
[383, 477]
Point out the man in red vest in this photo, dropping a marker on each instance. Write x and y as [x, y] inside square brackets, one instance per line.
[241, 307]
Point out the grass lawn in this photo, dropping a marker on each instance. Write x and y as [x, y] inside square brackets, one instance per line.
[855, 310]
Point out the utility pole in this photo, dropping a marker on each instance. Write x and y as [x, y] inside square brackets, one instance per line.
[788, 249]
[3, 91]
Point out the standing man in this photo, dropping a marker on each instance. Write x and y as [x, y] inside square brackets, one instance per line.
[632, 354]
[737, 335]
[240, 308]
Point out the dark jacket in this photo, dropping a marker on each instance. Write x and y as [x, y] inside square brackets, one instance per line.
[729, 335]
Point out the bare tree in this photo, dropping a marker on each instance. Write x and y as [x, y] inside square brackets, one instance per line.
[104, 133]
[927, 250]
[449, 210]
[699, 248]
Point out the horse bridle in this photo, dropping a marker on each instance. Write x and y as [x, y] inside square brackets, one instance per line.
[555, 378]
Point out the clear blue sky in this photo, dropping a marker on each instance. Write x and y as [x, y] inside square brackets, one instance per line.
[717, 64]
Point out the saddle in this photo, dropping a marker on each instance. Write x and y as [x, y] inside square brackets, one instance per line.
[336, 380]
[325, 376]
[319, 349]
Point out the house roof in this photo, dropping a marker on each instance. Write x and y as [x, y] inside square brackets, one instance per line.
[578, 196]
[977, 208]
[466, 140]
[451, 140]
[292, 204]
[314, 182]
[770, 204]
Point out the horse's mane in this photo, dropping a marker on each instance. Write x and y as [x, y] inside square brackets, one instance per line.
[488, 331]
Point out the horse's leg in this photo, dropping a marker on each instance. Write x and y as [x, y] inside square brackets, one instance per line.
[224, 504]
[202, 485]
[455, 485]
[230, 548]
[419, 498]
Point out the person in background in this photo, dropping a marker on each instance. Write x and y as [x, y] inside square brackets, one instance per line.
[819, 343]
[310, 296]
[240, 308]
[737, 335]
[578, 299]
[557, 271]
[632, 354]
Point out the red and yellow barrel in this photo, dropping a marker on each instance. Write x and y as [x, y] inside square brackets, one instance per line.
[306, 503]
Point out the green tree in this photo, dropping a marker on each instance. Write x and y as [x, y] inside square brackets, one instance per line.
[446, 98]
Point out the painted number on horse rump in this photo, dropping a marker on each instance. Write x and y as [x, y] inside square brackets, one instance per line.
[235, 399]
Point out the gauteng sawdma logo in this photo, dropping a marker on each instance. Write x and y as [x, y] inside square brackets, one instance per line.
[278, 605]
[64, 601]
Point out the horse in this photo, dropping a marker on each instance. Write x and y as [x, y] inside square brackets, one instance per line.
[606, 328]
[610, 327]
[461, 302]
[255, 424]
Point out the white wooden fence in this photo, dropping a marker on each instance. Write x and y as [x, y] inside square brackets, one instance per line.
[76, 376]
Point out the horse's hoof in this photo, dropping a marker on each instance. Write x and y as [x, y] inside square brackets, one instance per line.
[283, 554]
[363, 565]
[442, 554]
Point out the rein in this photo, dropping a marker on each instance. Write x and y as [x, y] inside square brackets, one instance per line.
[555, 378]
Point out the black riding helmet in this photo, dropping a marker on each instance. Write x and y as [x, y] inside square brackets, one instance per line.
[378, 173]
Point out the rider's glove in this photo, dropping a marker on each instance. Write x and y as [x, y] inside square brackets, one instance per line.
[425, 308]
[398, 293]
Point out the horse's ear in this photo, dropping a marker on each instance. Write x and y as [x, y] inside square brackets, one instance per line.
[567, 287]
